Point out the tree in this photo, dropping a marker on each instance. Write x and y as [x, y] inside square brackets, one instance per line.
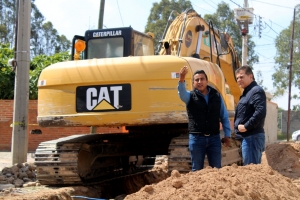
[7, 21]
[259, 80]
[160, 13]
[50, 34]
[39, 63]
[63, 44]
[282, 59]
[7, 75]
[44, 37]
[36, 41]
[224, 21]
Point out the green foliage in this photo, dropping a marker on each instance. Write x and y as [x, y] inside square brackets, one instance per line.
[3, 31]
[7, 21]
[160, 13]
[44, 38]
[281, 136]
[39, 63]
[259, 80]
[7, 76]
[45, 46]
[282, 59]
[224, 21]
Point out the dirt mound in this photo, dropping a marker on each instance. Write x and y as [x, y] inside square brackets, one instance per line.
[276, 178]
[230, 182]
[284, 158]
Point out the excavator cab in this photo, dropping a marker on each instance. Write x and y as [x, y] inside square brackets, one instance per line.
[112, 43]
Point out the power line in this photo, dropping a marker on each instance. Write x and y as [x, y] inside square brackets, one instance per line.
[265, 44]
[213, 2]
[269, 37]
[271, 28]
[263, 37]
[120, 12]
[276, 24]
[262, 63]
[274, 4]
[265, 56]
[209, 4]
[201, 8]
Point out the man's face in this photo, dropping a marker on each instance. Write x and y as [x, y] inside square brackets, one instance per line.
[200, 82]
[243, 79]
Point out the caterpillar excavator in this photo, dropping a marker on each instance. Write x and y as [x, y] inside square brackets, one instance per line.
[115, 79]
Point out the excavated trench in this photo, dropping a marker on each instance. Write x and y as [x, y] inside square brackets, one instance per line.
[129, 185]
[112, 189]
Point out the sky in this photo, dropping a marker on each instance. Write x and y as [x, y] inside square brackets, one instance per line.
[74, 17]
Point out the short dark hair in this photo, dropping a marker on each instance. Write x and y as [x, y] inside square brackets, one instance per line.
[247, 70]
[200, 72]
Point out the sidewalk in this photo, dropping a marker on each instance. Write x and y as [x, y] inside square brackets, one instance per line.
[6, 159]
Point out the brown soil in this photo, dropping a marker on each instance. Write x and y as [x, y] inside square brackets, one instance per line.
[276, 178]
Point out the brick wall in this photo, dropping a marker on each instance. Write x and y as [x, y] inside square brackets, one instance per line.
[6, 119]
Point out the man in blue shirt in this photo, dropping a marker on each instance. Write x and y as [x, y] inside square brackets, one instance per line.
[205, 109]
[250, 116]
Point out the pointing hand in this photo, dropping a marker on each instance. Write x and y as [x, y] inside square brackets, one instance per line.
[182, 73]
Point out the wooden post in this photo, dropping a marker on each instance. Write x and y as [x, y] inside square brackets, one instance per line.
[290, 80]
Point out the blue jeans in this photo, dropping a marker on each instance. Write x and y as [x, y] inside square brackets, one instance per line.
[252, 148]
[205, 145]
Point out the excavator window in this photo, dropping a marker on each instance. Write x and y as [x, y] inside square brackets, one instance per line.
[105, 48]
[143, 46]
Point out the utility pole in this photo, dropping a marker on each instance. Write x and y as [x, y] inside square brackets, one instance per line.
[101, 14]
[21, 93]
[93, 129]
[245, 39]
[245, 50]
[244, 17]
[290, 79]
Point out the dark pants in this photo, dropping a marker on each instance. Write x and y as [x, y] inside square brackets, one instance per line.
[200, 146]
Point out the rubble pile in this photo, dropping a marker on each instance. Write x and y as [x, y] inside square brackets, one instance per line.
[19, 175]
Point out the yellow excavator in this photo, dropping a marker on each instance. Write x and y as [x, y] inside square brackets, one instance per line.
[115, 80]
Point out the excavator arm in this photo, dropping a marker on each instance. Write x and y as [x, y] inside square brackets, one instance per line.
[189, 35]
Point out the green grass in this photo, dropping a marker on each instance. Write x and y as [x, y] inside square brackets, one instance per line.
[283, 136]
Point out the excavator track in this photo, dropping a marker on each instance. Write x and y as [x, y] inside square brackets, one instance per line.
[96, 158]
[179, 155]
[56, 162]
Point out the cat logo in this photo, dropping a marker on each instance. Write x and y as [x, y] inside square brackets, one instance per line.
[103, 98]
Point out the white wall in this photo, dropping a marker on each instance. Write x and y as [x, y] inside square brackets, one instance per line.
[271, 122]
